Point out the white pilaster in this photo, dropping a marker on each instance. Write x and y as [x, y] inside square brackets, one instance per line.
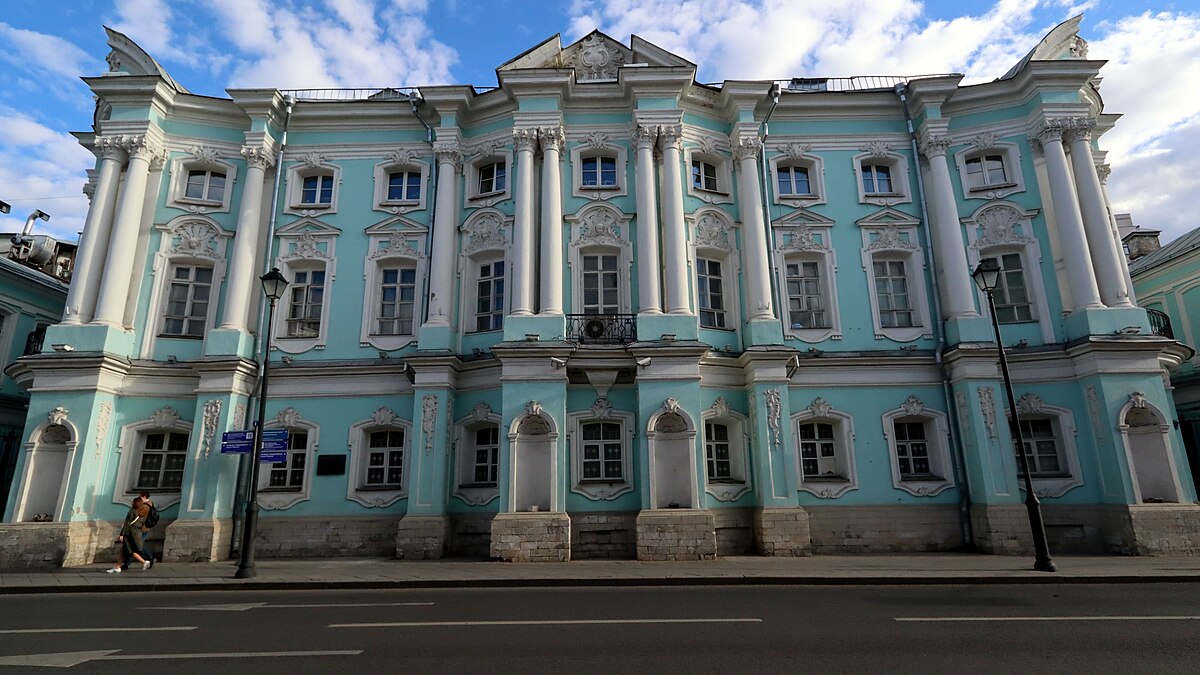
[445, 225]
[553, 140]
[1080, 276]
[648, 261]
[674, 237]
[756, 274]
[1096, 224]
[122, 244]
[950, 255]
[97, 228]
[523, 263]
[240, 285]
[1102, 172]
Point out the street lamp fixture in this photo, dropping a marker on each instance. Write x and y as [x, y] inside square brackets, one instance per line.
[987, 278]
[273, 284]
[5, 207]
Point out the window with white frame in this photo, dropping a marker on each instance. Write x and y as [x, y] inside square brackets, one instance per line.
[492, 177]
[385, 459]
[601, 284]
[717, 459]
[1042, 447]
[882, 176]
[793, 181]
[599, 258]
[895, 308]
[397, 299]
[290, 474]
[152, 454]
[807, 308]
[602, 451]
[598, 172]
[485, 455]
[598, 168]
[877, 179]
[818, 451]
[202, 182]
[316, 190]
[308, 260]
[403, 186]
[1011, 296]
[477, 442]
[283, 484]
[188, 295]
[989, 169]
[805, 273]
[1048, 435]
[400, 182]
[986, 170]
[725, 463]
[379, 459]
[489, 295]
[600, 456]
[205, 185]
[824, 445]
[710, 173]
[798, 176]
[704, 175]
[306, 303]
[715, 269]
[893, 263]
[710, 289]
[161, 459]
[313, 186]
[918, 442]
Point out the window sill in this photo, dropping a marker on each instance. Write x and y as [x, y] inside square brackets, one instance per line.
[390, 335]
[923, 478]
[724, 328]
[726, 481]
[600, 188]
[172, 336]
[481, 332]
[825, 479]
[722, 193]
[311, 206]
[601, 481]
[807, 196]
[280, 490]
[199, 202]
[313, 336]
[488, 195]
[400, 202]
[883, 194]
[378, 488]
[797, 327]
[990, 188]
[476, 486]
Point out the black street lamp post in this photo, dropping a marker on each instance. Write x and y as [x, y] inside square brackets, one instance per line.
[987, 276]
[273, 285]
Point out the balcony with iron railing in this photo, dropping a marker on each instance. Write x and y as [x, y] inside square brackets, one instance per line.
[602, 329]
[1160, 323]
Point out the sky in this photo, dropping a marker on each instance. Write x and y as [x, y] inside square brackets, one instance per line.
[1152, 49]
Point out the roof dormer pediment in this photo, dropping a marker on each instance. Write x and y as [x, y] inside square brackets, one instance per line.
[594, 58]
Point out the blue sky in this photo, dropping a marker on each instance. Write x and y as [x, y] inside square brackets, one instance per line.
[1153, 49]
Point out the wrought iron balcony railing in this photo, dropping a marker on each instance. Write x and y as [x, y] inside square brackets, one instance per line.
[613, 329]
[34, 341]
[1160, 323]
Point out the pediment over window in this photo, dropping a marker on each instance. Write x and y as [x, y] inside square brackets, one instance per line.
[308, 226]
[888, 216]
[802, 216]
[594, 58]
[397, 223]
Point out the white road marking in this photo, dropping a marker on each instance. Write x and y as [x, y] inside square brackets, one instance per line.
[69, 659]
[241, 607]
[103, 629]
[361, 604]
[531, 622]
[1047, 618]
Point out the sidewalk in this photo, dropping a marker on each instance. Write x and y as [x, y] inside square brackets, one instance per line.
[941, 568]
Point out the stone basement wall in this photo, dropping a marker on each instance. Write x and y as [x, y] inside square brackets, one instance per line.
[470, 535]
[195, 540]
[676, 534]
[782, 532]
[422, 537]
[603, 536]
[1163, 529]
[531, 537]
[884, 529]
[32, 545]
[293, 537]
[735, 531]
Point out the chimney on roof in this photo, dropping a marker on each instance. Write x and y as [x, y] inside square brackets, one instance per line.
[1136, 241]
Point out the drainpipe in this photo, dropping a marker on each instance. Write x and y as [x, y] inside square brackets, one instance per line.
[762, 178]
[415, 101]
[960, 470]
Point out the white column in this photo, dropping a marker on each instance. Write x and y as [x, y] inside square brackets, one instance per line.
[756, 274]
[240, 284]
[553, 140]
[524, 263]
[950, 255]
[649, 263]
[1084, 293]
[674, 237]
[445, 226]
[122, 244]
[1096, 224]
[97, 228]
[1103, 171]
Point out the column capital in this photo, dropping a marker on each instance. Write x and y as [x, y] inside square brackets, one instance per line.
[1103, 171]
[1052, 130]
[257, 156]
[111, 147]
[1081, 129]
[525, 139]
[552, 138]
[932, 146]
[449, 152]
[746, 147]
[644, 136]
[89, 188]
[671, 136]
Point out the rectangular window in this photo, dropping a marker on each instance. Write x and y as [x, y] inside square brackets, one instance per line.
[317, 190]
[599, 172]
[487, 456]
[1041, 447]
[161, 466]
[716, 451]
[307, 300]
[187, 301]
[397, 299]
[404, 186]
[710, 287]
[912, 452]
[1011, 296]
[602, 451]
[289, 474]
[492, 178]
[877, 179]
[385, 458]
[891, 293]
[489, 297]
[986, 171]
[793, 180]
[818, 451]
[806, 305]
[205, 186]
[601, 285]
[704, 175]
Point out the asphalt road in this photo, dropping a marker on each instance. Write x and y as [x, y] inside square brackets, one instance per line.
[1103, 628]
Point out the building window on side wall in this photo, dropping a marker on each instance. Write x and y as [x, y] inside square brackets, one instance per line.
[599, 172]
[385, 459]
[205, 185]
[806, 302]
[187, 301]
[486, 456]
[288, 475]
[710, 287]
[404, 186]
[317, 191]
[489, 296]
[397, 300]
[986, 171]
[307, 301]
[877, 179]
[793, 181]
[892, 294]
[1042, 448]
[1011, 295]
[819, 451]
[704, 175]
[716, 452]
[601, 285]
[160, 466]
[602, 451]
[492, 178]
[912, 451]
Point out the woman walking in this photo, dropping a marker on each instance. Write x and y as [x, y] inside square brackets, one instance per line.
[130, 537]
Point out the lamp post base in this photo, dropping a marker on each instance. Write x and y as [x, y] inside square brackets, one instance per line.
[1038, 565]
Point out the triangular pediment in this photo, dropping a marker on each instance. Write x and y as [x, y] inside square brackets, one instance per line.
[308, 226]
[595, 58]
[803, 217]
[888, 216]
[395, 224]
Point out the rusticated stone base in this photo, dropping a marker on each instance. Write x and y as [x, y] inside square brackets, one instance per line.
[32, 545]
[306, 537]
[197, 540]
[1002, 530]
[676, 534]
[782, 532]
[422, 537]
[531, 537]
[470, 535]
[1157, 529]
[603, 536]
[735, 531]
[920, 528]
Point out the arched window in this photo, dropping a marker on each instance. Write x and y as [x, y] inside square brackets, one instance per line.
[394, 272]
[716, 270]
[601, 451]
[825, 444]
[484, 263]
[918, 440]
[288, 482]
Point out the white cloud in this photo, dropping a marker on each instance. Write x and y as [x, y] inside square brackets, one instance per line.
[148, 23]
[41, 169]
[40, 63]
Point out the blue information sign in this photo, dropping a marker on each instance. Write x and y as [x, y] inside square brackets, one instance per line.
[274, 447]
[237, 442]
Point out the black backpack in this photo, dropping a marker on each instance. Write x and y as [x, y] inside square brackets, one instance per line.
[152, 519]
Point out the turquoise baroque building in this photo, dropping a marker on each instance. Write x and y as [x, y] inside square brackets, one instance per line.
[604, 310]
